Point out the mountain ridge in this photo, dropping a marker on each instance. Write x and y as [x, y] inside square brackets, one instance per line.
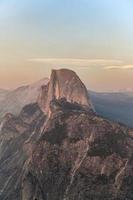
[115, 106]
[16, 99]
[71, 154]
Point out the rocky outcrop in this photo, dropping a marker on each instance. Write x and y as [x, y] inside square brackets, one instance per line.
[73, 154]
[66, 84]
[80, 156]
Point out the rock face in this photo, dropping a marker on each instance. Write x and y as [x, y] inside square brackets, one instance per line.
[64, 84]
[71, 154]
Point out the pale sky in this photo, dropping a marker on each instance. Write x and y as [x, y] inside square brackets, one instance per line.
[94, 38]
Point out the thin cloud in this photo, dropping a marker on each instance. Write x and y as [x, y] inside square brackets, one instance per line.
[76, 62]
[121, 67]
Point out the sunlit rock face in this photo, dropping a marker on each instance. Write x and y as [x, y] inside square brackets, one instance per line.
[66, 84]
[60, 149]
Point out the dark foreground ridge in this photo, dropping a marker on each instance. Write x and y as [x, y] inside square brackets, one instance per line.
[59, 149]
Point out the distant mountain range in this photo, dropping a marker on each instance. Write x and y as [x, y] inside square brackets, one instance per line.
[114, 106]
[3, 94]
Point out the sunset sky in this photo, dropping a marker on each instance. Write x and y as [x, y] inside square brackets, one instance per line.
[92, 37]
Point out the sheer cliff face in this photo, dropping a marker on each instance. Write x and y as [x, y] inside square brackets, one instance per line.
[71, 155]
[64, 84]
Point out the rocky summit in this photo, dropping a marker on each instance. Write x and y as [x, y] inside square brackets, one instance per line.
[64, 84]
[60, 149]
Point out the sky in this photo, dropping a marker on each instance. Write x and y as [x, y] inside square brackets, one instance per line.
[93, 38]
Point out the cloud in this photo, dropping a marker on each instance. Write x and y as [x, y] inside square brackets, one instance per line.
[76, 62]
[119, 67]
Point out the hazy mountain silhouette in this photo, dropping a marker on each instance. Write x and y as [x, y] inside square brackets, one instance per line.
[114, 106]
